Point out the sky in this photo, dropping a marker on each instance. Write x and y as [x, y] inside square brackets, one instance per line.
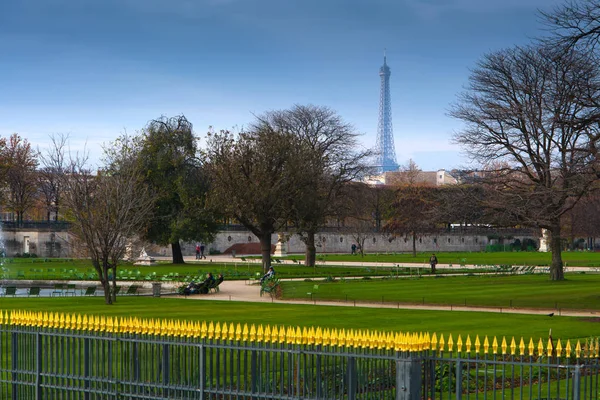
[97, 69]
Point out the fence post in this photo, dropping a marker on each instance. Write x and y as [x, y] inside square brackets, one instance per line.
[165, 370]
[14, 364]
[458, 379]
[38, 366]
[576, 382]
[352, 378]
[318, 370]
[202, 372]
[253, 373]
[86, 367]
[408, 378]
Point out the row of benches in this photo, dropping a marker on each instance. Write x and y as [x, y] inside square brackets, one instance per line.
[66, 290]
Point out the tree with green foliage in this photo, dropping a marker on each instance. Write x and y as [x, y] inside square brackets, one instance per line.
[254, 177]
[173, 168]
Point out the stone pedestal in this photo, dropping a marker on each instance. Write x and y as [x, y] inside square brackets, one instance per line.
[145, 259]
[544, 241]
[280, 247]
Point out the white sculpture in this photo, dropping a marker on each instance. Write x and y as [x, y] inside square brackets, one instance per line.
[144, 258]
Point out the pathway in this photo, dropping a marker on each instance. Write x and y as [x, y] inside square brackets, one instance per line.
[241, 291]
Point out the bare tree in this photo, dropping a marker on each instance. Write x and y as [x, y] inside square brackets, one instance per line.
[412, 213]
[575, 24]
[20, 175]
[50, 176]
[530, 117]
[358, 209]
[108, 209]
[332, 157]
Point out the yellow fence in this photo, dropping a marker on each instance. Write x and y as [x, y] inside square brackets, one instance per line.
[354, 338]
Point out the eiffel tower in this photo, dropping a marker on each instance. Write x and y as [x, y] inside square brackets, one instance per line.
[386, 154]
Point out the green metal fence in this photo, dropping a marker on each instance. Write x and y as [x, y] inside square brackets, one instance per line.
[46, 356]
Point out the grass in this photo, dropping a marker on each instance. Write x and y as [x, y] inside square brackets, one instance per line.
[571, 258]
[79, 269]
[464, 323]
[578, 291]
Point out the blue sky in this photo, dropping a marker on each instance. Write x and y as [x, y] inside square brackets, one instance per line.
[94, 69]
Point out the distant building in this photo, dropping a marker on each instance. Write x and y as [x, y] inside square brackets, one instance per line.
[425, 178]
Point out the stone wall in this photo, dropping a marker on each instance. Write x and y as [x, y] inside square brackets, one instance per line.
[39, 242]
[56, 244]
[374, 243]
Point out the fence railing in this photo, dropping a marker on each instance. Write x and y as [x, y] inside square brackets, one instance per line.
[66, 356]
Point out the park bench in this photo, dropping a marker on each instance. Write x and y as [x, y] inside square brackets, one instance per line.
[314, 291]
[215, 286]
[90, 291]
[33, 291]
[133, 289]
[59, 289]
[10, 291]
[270, 286]
[71, 289]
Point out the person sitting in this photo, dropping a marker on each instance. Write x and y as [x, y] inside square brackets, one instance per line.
[220, 279]
[192, 288]
[270, 274]
[206, 284]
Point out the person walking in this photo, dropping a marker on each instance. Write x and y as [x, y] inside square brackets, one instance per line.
[353, 248]
[202, 252]
[433, 262]
[197, 251]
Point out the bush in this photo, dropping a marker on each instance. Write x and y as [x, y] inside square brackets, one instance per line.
[529, 245]
[213, 252]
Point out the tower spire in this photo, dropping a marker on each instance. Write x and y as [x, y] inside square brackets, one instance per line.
[386, 157]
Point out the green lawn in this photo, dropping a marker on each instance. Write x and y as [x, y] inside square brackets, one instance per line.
[78, 269]
[578, 291]
[571, 258]
[309, 315]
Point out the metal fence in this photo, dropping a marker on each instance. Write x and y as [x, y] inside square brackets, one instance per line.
[62, 356]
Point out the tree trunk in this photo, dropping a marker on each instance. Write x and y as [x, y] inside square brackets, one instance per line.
[114, 285]
[265, 250]
[414, 240]
[311, 250]
[106, 285]
[556, 268]
[177, 256]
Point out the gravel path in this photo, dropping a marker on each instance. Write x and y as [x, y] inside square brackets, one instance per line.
[242, 291]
